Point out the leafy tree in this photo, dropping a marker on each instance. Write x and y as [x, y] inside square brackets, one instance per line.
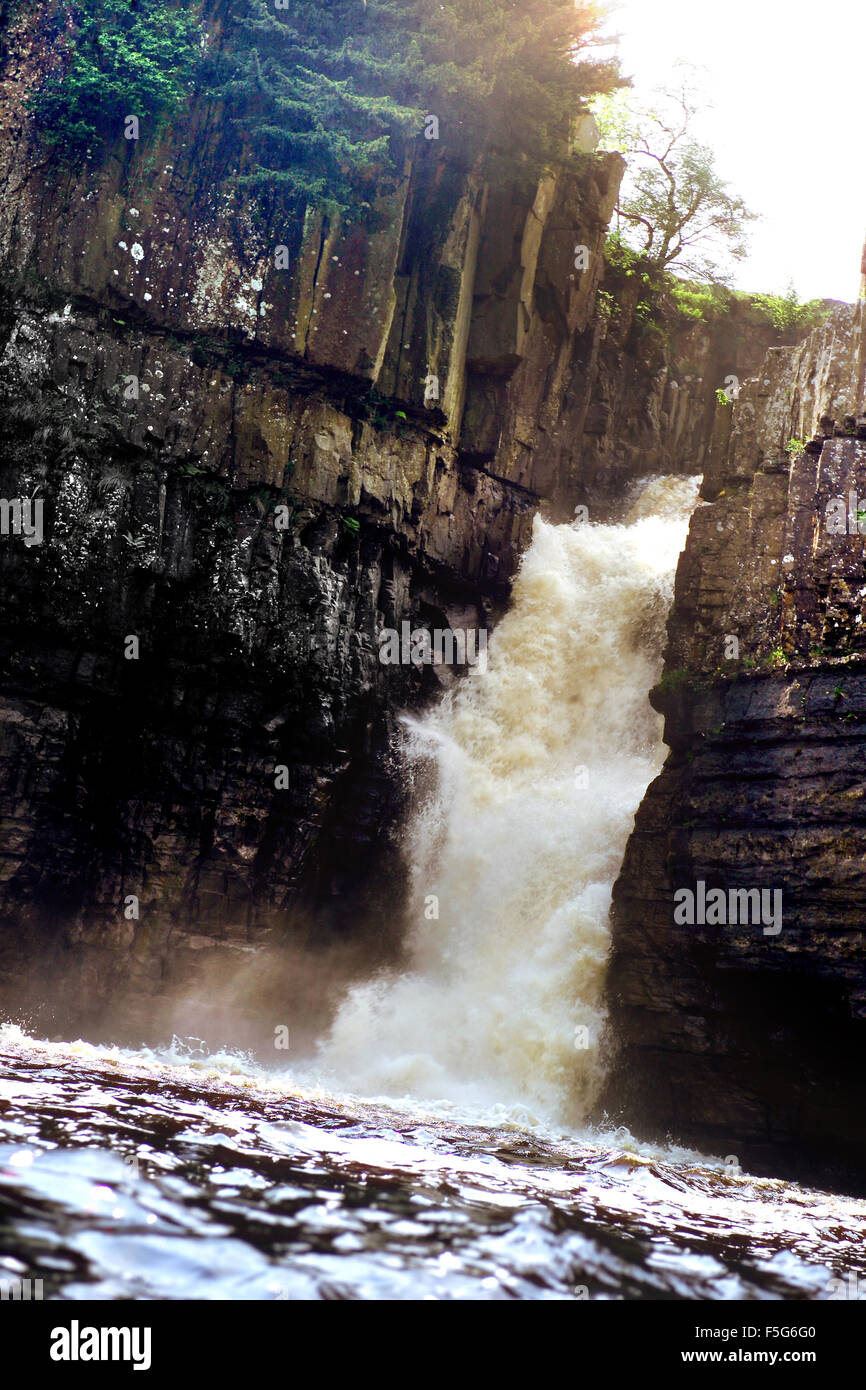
[674, 208]
[113, 58]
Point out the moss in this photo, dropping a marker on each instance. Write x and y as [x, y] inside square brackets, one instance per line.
[673, 680]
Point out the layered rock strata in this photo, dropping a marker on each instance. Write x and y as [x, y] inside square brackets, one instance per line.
[733, 1035]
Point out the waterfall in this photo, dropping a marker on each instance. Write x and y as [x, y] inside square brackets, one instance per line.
[541, 763]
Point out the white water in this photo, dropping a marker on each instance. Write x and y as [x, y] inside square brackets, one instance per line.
[542, 762]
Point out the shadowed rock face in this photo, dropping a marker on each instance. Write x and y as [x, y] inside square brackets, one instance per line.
[744, 1042]
[254, 531]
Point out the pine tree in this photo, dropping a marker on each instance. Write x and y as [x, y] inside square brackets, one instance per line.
[325, 95]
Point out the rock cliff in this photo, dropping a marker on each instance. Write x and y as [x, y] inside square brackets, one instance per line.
[739, 1038]
[257, 446]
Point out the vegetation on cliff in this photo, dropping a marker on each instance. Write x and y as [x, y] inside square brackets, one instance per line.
[655, 308]
[328, 95]
[679, 228]
[787, 313]
[674, 208]
[112, 59]
[325, 96]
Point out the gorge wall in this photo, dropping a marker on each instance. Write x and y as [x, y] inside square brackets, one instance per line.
[748, 1043]
[238, 471]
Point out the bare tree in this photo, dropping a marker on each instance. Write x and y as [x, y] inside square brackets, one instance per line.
[674, 208]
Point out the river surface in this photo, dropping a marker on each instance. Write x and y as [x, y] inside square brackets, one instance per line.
[185, 1176]
[469, 1171]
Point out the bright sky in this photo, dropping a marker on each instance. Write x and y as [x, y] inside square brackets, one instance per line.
[787, 123]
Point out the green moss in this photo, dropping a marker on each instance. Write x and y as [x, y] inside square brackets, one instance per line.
[673, 680]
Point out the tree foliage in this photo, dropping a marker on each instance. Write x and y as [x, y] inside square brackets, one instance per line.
[328, 92]
[111, 59]
[674, 208]
[323, 95]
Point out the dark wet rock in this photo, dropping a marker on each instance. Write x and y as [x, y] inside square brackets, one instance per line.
[729, 1037]
[246, 470]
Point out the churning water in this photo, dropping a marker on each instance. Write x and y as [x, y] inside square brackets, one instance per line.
[468, 1171]
[542, 761]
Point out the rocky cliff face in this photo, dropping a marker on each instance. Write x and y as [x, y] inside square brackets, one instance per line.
[257, 447]
[652, 402]
[741, 1037]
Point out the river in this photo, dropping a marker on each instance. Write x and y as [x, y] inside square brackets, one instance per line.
[437, 1142]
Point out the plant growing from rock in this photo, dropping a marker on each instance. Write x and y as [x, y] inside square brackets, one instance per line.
[674, 208]
[113, 58]
[788, 315]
